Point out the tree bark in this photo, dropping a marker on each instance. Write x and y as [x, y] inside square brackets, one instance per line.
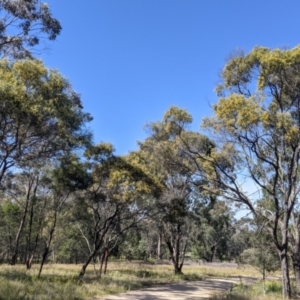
[47, 247]
[22, 223]
[283, 255]
[296, 262]
[159, 253]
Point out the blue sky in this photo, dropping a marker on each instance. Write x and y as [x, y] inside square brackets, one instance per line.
[132, 59]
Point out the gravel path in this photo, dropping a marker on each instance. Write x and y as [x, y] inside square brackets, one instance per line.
[184, 291]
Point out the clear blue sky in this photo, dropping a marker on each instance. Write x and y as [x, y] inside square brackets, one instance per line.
[132, 59]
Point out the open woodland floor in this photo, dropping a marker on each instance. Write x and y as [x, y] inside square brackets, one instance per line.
[60, 281]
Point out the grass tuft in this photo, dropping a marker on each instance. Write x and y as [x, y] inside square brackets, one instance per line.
[253, 292]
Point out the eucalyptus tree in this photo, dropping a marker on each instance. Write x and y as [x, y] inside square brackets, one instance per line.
[256, 125]
[21, 188]
[58, 185]
[40, 117]
[23, 25]
[163, 154]
[112, 202]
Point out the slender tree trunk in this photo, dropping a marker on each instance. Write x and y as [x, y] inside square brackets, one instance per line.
[33, 249]
[21, 226]
[106, 260]
[87, 262]
[213, 250]
[29, 256]
[296, 267]
[283, 255]
[101, 264]
[295, 241]
[47, 247]
[97, 246]
[264, 278]
[286, 286]
[18, 236]
[159, 253]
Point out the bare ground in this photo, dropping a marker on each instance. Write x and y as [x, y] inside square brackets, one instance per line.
[184, 291]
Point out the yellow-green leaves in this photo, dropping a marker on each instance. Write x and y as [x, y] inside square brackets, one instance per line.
[40, 114]
[175, 120]
[236, 111]
[262, 65]
[176, 114]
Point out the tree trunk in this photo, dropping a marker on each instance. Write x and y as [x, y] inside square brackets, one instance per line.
[296, 266]
[101, 263]
[21, 226]
[32, 250]
[47, 247]
[85, 265]
[286, 285]
[295, 241]
[106, 260]
[159, 253]
[174, 249]
[213, 251]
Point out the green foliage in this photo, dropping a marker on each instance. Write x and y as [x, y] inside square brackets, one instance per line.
[257, 122]
[41, 115]
[214, 228]
[24, 24]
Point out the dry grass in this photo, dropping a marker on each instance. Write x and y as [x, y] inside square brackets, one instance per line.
[254, 292]
[61, 281]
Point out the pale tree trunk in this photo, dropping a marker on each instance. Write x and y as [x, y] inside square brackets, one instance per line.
[159, 253]
[296, 266]
[295, 241]
[283, 255]
[286, 286]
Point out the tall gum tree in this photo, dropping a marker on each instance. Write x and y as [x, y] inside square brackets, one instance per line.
[41, 118]
[40, 115]
[256, 126]
[163, 155]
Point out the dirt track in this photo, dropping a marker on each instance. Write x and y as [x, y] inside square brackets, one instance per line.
[183, 291]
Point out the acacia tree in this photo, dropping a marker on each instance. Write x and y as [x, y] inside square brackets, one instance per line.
[23, 24]
[256, 125]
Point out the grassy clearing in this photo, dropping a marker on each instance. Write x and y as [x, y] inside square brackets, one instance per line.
[61, 281]
[246, 292]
